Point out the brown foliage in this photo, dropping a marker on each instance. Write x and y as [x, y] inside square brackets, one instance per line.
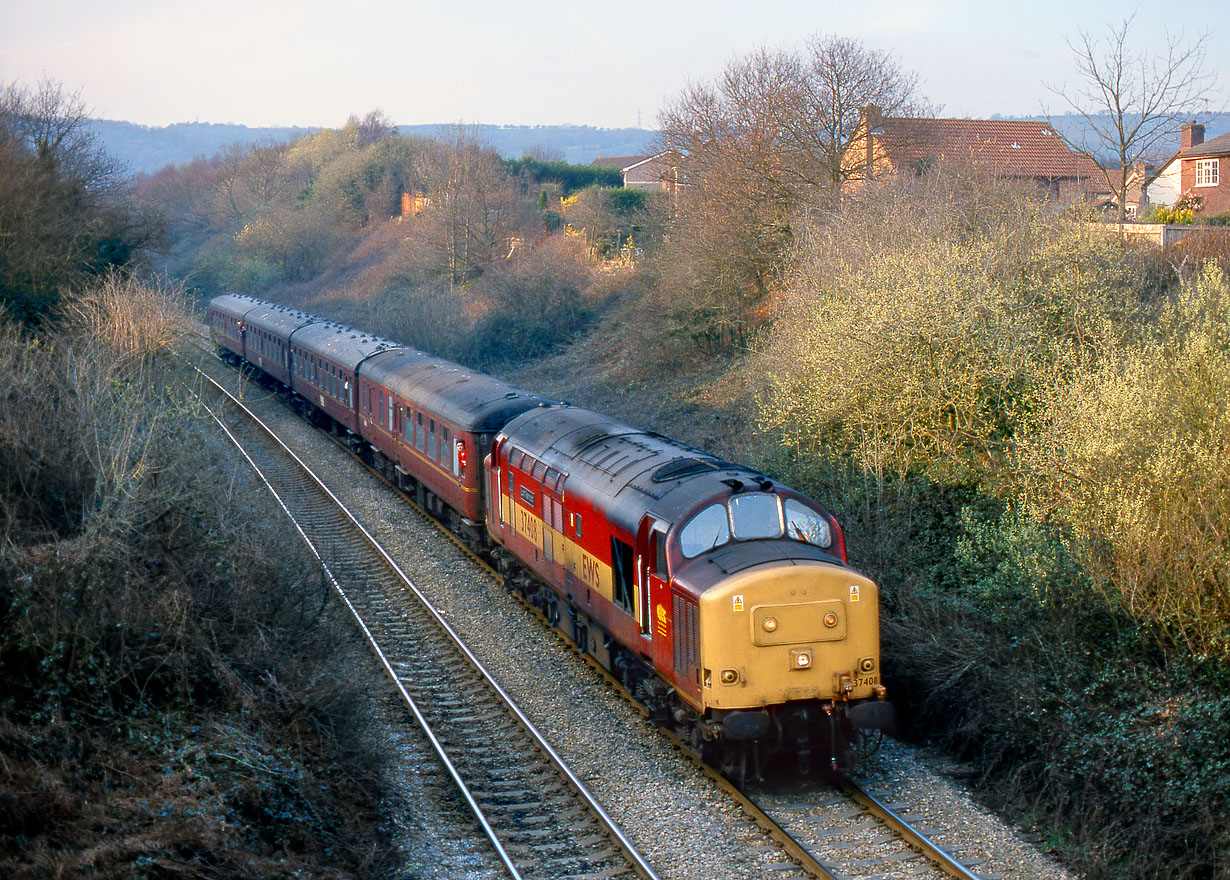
[166, 712]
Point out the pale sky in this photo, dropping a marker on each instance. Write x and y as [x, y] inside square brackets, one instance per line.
[548, 62]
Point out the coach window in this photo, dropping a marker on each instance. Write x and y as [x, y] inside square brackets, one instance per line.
[420, 436]
[390, 412]
[433, 447]
[407, 427]
[445, 446]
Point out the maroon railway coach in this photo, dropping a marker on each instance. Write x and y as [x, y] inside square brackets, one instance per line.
[432, 421]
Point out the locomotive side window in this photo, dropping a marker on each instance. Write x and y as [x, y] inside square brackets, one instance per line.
[756, 516]
[657, 553]
[708, 529]
[805, 524]
[621, 568]
[577, 523]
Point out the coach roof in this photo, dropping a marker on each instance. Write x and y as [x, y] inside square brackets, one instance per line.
[343, 345]
[471, 401]
[235, 304]
[279, 320]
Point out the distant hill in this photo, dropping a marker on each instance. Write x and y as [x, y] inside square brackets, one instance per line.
[142, 148]
[145, 149]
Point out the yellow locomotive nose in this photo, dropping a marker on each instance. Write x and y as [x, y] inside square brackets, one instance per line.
[796, 630]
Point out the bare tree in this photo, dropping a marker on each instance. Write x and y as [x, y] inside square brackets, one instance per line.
[1132, 101]
[472, 204]
[761, 142]
[63, 211]
[839, 78]
[785, 118]
[374, 127]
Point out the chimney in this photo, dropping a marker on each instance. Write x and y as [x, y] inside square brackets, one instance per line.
[1193, 135]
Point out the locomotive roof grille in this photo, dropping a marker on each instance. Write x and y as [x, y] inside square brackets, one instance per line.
[685, 467]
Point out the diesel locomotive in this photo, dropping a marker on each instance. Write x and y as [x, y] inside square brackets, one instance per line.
[722, 600]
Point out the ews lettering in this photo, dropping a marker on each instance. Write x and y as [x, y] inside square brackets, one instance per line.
[589, 570]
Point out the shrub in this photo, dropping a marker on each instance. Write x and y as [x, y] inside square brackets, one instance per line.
[533, 305]
[927, 340]
[1137, 468]
[165, 711]
[1175, 215]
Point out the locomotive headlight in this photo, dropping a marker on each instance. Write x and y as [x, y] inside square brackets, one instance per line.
[730, 676]
[769, 624]
[800, 658]
[867, 664]
[830, 619]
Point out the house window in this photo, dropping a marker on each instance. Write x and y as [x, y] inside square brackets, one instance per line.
[1206, 172]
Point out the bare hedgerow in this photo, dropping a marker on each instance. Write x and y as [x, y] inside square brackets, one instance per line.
[1136, 464]
[926, 326]
[181, 696]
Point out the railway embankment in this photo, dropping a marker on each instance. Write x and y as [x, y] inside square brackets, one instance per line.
[177, 697]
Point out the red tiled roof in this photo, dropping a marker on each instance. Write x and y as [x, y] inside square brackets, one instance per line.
[1218, 146]
[1007, 147]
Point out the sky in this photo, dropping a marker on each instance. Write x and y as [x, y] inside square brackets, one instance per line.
[536, 62]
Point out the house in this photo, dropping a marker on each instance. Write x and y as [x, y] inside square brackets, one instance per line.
[1195, 170]
[656, 172]
[1138, 177]
[1009, 149]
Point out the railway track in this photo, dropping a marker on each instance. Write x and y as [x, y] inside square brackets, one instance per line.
[828, 832]
[539, 818]
[843, 832]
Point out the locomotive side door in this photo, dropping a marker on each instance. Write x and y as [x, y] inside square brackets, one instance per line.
[652, 580]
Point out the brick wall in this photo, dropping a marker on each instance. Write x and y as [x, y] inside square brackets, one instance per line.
[1216, 198]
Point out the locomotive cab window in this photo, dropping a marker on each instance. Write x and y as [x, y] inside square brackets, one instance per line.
[755, 516]
[708, 529]
[657, 553]
[807, 525]
[621, 571]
